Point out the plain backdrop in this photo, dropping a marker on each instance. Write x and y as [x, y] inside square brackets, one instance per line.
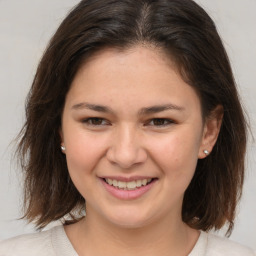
[25, 29]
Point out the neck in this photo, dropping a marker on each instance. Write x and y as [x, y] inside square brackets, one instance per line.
[96, 236]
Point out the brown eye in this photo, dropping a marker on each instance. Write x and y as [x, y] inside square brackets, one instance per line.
[160, 122]
[95, 121]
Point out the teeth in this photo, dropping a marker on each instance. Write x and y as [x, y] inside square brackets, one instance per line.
[121, 184]
[144, 182]
[110, 182]
[138, 183]
[131, 185]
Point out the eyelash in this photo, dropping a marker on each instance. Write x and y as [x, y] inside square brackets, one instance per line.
[165, 122]
[89, 121]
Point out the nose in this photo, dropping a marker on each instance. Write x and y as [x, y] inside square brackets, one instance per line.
[126, 148]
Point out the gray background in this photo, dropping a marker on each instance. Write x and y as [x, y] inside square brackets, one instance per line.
[26, 27]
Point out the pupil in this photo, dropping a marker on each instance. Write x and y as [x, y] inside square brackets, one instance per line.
[158, 121]
[97, 121]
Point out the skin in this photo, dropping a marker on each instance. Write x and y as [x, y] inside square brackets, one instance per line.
[128, 142]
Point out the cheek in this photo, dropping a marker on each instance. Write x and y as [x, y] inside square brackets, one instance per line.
[83, 151]
[176, 154]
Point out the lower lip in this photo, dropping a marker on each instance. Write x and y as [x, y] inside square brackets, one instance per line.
[128, 194]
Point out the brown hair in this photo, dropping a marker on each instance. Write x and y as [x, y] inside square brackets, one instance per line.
[182, 29]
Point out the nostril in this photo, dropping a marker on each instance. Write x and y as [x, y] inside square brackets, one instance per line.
[126, 157]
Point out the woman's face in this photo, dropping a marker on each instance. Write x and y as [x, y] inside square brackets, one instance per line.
[133, 133]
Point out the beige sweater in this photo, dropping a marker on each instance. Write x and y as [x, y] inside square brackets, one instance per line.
[55, 242]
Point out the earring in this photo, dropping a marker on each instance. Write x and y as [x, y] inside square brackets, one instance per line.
[62, 148]
[206, 152]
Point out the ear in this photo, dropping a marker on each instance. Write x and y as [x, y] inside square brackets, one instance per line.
[211, 131]
[62, 145]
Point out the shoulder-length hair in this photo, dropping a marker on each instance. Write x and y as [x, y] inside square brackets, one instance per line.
[189, 37]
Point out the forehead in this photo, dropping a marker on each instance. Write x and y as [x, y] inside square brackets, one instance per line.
[138, 74]
[132, 56]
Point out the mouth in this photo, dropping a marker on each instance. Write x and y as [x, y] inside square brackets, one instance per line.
[128, 185]
[128, 188]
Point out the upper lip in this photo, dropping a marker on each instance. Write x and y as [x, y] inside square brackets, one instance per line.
[127, 179]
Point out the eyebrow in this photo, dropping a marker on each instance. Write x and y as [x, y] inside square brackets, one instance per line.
[159, 108]
[143, 111]
[95, 107]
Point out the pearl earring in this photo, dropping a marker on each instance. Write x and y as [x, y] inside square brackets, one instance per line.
[62, 148]
[206, 152]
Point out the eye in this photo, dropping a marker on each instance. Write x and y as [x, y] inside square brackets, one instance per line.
[160, 122]
[95, 121]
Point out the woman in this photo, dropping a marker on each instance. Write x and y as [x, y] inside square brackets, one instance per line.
[134, 111]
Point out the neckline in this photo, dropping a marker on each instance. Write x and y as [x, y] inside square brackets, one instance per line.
[201, 245]
[63, 246]
[61, 243]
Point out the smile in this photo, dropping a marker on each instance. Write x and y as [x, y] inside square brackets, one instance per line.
[131, 185]
[128, 188]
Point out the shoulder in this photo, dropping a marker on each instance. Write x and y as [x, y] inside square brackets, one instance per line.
[218, 246]
[27, 245]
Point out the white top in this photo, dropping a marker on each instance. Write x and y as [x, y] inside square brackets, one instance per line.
[55, 242]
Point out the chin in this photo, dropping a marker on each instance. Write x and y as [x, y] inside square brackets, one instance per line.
[130, 224]
[130, 220]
